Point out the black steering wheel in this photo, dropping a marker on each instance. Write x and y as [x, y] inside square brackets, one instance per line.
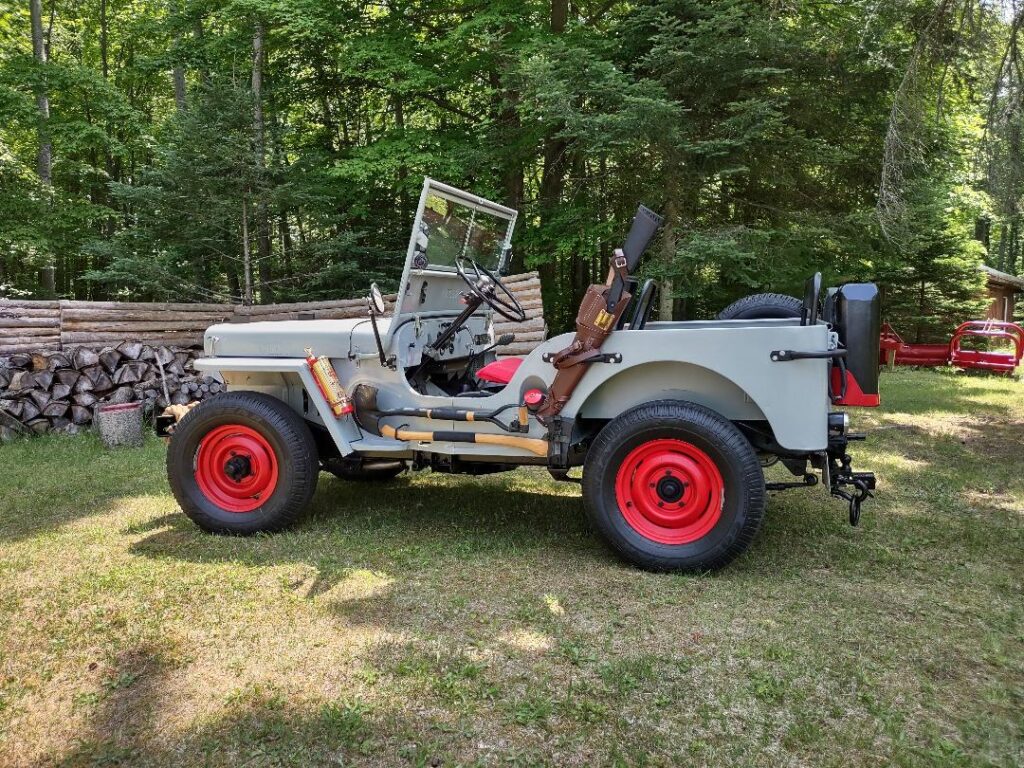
[487, 287]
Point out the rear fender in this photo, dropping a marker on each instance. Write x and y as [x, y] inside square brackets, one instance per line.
[670, 381]
[290, 380]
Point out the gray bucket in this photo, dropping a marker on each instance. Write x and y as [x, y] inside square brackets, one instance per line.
[120, 424]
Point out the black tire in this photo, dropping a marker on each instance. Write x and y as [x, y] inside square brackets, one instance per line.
[740, 486]
[275, 430]
[763, 306]
[364, 471]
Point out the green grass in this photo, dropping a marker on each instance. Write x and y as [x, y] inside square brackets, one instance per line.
[445, 620]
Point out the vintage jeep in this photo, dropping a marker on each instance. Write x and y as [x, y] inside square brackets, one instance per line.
[672, 422]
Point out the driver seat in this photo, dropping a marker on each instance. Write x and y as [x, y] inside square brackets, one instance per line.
[500, 371]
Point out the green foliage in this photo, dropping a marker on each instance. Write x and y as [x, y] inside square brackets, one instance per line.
[763, 130]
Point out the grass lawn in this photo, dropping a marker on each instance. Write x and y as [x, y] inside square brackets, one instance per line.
[443, 620]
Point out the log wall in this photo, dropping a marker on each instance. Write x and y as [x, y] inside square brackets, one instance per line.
[44, 326]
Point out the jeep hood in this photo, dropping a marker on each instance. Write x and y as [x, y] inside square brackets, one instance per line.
[289, 338]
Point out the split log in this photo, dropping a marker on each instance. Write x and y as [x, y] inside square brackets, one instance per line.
[60, 391]
[83, 385]
[12, 407]
[120, 395]
[84, 358]
[43, 379]
[55, 409]
[39, 426]
[20, 380]
[148, 354]
[58, 362]
[130, 349]
[5, 377]
[164, 355]
[130, 373]
[99, 378]
[80, 414]
[60, 424]
[68, 376]
[40, 397]
[84, 399]
[109, 358]
[29, 411]
[19, 360]
[11, 424]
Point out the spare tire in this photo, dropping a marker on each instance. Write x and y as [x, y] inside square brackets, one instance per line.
[763, 306]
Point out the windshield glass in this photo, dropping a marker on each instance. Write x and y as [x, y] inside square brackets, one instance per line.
[449, 229]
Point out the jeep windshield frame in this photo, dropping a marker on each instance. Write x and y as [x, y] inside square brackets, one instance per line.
[452, 223]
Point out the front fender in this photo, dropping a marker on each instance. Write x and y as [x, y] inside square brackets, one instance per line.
[290, 380]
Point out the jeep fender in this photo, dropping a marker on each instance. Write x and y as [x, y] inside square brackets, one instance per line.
[290, 380]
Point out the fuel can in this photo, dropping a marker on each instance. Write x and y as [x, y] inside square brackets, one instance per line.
[330, 385]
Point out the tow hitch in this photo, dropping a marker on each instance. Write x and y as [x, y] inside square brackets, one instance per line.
[840, 474]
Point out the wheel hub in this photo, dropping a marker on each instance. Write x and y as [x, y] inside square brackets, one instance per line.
[236, 468]
[670, 491]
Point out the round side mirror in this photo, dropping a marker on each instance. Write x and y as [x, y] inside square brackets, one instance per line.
[376, 300]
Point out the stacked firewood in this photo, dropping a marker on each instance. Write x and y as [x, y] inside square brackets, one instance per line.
[60, 391]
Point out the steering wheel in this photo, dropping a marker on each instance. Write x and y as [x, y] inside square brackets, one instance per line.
[487, 287]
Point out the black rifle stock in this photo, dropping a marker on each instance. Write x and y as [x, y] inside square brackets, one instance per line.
[645, 226]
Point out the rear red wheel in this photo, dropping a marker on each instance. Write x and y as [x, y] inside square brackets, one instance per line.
[673, 486]
[243, 462]
[670, 491]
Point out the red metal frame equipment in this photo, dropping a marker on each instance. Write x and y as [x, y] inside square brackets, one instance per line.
[895, 351]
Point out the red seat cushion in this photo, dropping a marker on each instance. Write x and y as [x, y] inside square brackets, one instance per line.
[500, 371]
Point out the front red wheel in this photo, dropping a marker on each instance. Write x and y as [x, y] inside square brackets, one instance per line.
[243, 462]
[673, 486]
[236, 468]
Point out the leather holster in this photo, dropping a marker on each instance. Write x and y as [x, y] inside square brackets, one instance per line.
[594, 323]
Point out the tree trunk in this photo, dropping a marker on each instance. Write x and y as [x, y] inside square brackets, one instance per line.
[666, 302]
[246, 258]
[552, 181]
[262, 219]
[45, 157]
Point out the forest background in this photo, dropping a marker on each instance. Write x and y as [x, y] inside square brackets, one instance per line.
[273, 150]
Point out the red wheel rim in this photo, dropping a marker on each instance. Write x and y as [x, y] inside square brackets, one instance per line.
[236, 468]
[670, 491]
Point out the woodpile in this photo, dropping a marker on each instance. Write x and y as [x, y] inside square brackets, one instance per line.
[59, 391]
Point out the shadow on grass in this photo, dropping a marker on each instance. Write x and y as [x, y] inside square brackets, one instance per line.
[261, 728]
[399, 528]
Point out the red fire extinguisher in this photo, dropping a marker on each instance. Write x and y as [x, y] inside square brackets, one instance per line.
[330, 385]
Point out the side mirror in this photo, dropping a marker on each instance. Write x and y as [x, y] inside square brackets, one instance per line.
[377, 305]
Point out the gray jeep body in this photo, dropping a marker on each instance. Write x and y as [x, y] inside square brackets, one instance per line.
[725, 365]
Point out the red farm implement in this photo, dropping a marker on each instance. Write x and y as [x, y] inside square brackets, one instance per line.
[895, 351]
